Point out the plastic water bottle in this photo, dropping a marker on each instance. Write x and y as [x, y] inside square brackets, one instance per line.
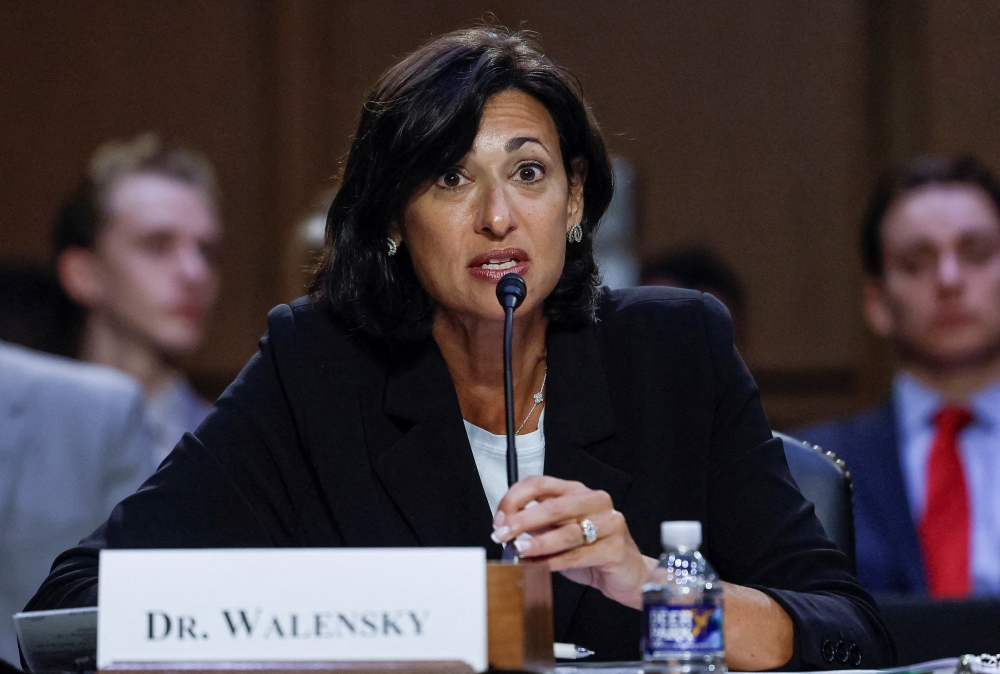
[682, 607]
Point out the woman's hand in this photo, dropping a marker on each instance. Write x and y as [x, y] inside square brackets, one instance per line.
[612, 563]
[758, 633]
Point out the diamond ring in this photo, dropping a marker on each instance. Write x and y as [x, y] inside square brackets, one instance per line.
[589, 532]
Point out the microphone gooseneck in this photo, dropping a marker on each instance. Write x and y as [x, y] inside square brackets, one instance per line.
[511, 291]
[508, 394]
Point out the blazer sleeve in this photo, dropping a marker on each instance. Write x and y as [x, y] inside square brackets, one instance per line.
[762, 533]
[226, 486]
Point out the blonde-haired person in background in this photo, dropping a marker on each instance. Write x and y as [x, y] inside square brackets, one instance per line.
[136, 246]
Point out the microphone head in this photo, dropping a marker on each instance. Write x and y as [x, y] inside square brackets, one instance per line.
[511, 290]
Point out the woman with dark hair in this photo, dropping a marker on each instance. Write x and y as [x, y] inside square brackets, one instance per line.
[374, 413]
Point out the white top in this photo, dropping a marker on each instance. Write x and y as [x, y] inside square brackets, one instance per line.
[490, 452]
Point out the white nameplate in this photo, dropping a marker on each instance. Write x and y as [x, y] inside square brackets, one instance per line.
[292, 605]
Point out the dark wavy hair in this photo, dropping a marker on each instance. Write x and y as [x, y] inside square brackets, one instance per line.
[920, 172]
[422, 118]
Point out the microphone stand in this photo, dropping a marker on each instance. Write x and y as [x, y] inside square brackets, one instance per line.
[511, 291]
[508, 393]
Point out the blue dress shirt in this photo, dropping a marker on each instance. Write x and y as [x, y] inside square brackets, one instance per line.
[979, 447]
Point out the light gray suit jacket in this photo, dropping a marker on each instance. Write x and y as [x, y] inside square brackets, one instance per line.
[72, 444]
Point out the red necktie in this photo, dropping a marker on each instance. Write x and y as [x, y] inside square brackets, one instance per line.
[944, 529]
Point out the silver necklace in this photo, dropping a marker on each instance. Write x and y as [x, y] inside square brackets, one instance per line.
[539, 398]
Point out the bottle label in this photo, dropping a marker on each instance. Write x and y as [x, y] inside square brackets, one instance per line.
[671, 628]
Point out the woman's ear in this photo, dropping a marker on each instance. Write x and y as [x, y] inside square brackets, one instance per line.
[574, 207]
[395, 231]
[80, 276]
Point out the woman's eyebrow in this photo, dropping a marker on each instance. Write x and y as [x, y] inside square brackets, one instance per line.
[516, 143]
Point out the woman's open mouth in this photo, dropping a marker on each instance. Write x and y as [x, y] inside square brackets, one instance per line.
[492, 266]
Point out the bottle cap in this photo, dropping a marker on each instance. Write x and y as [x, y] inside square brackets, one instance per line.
[683, 534]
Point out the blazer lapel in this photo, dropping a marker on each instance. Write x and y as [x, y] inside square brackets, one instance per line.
[579, 423]
[421, 454]
[889, 491]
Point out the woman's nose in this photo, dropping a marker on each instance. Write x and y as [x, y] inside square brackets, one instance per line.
[497, 217]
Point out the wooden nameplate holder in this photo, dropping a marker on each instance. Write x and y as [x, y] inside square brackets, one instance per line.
[519, 619]
[519, 616]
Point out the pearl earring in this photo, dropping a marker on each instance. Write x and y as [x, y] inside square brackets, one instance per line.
[393, 246]
[575, 234]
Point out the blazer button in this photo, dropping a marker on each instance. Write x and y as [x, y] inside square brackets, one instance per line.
[842, 651]
[854, 655]
[827, 651]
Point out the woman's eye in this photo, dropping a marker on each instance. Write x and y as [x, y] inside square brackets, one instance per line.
[529, 173]
[451, 179]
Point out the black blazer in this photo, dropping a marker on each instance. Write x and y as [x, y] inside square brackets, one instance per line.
[327, 439]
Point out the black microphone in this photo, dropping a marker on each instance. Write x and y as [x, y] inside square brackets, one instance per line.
[511, 291]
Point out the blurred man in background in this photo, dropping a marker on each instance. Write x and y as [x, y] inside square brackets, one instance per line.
[701, 269]
[926, 464]
[136, 246]
[72, 444]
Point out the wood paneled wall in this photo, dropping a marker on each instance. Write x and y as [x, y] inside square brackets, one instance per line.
[755, 128]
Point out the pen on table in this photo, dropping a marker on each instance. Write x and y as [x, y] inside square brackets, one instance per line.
[570, 651]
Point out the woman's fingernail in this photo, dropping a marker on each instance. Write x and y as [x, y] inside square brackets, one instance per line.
[498, 519]
[522, 545]
[499, 534]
